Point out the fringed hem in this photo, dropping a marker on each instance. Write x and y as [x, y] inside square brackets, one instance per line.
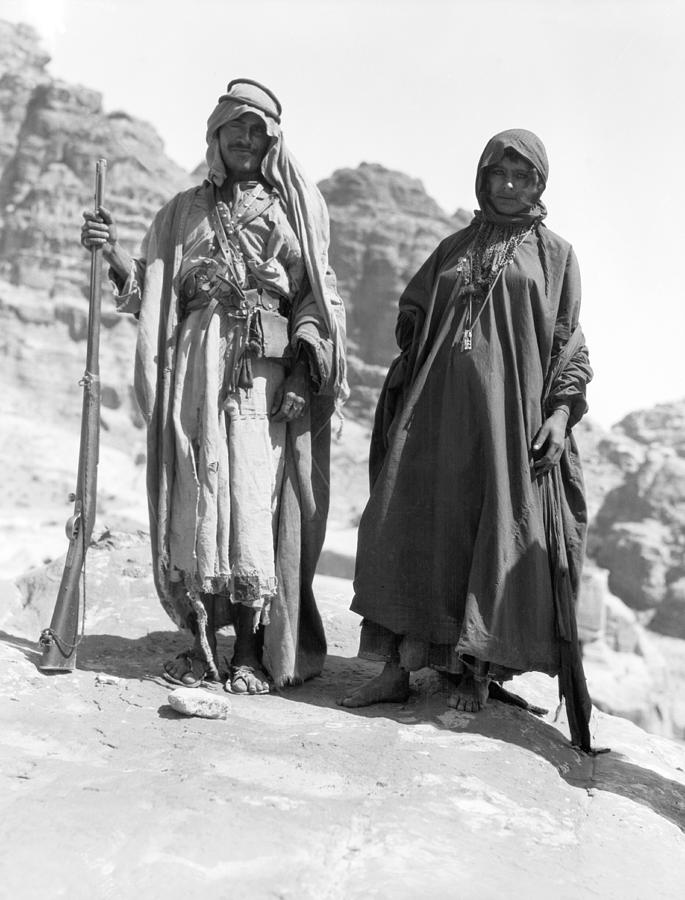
[256, 592]
[287, 681]
[216, 584]
[246, 589]
[251, 588]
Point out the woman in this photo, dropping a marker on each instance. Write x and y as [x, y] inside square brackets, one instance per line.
[471, 544]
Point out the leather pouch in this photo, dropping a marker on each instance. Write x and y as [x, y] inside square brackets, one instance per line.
[274, 334]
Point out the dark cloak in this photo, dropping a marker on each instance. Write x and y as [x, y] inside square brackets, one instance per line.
[461, 549]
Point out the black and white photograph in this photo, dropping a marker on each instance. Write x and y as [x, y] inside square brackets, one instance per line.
[342, 541]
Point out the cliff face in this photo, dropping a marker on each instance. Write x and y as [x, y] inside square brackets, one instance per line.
[639, 531]
[22, 68]
[383, 227]
[52, 135]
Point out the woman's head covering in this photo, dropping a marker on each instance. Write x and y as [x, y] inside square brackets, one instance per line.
[531, 148]
[301, 198]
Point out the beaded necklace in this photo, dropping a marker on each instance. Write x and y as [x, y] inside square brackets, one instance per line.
[493, 249]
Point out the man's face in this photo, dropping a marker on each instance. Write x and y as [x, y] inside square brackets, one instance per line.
[512, 185]
[243, 142]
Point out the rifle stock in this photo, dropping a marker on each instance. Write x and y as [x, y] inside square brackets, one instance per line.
[59, 641]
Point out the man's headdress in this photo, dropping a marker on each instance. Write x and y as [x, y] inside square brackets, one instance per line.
[245, 90]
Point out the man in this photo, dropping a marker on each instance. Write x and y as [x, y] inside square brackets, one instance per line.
[239, 364]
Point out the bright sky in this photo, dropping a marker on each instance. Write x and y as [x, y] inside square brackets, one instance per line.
[419, 86]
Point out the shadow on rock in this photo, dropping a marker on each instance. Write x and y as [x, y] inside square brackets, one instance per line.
[168, 712]
[141, 658]
[427, 703]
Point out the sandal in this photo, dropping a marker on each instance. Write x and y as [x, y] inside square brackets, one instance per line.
[243, 673]
[190, 657]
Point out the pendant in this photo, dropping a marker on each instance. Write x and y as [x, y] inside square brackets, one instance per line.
[466, 343]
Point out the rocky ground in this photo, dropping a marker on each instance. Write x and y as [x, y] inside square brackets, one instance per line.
[109, 792]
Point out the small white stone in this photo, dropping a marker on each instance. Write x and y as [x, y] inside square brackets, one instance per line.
[198, 702]
[101, 678]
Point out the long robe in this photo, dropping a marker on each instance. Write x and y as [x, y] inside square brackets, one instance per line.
[453, 547]
[294, 641]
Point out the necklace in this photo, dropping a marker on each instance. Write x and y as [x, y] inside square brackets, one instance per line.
[492, 251]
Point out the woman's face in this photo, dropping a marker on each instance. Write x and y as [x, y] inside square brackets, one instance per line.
[243, 142]
[512, 185]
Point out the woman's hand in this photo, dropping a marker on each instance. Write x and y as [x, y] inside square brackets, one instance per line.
[549, 441]
[289, 400]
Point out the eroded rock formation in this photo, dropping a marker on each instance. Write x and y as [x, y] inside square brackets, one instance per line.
[52, 134]
[638, 533]
[383, 227]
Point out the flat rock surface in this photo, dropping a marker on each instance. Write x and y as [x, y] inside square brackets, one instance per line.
[107, 792]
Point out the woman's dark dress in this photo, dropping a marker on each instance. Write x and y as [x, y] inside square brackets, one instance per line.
[453, 546]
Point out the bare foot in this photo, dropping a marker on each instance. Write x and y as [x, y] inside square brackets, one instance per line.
[391, 686]
[471, 694]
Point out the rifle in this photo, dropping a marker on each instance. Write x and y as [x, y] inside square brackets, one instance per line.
[59, 642]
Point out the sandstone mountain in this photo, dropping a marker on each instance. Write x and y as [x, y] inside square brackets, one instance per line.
[383, 226]
[52, 134]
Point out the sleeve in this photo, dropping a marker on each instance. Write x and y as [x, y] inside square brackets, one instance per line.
[128, 293]
[310, 337]
[568, 387]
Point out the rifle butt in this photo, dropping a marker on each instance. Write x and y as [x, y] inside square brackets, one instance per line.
[59, 642]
